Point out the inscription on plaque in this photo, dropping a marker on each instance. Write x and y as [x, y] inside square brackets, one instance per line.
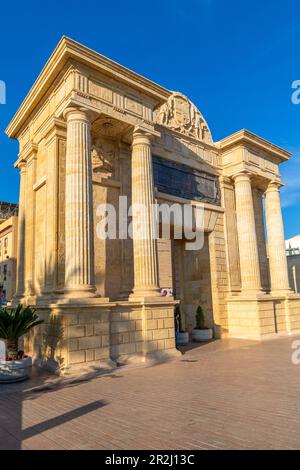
[183, 181]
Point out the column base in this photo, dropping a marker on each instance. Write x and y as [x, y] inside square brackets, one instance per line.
[251, 294]
[281, 292]
[147, 295]
[144, 299]
[124, 295]
[86, 301]
[19, 299]
[78, 292]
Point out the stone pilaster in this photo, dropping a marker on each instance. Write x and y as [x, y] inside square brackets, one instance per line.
[79, 272]
[30, 225]
[126, 244]
[230, 232]
[146, 283]
[247, 240]
[276, 243]
[20, 290]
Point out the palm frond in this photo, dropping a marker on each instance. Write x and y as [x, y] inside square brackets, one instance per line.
[17, 321]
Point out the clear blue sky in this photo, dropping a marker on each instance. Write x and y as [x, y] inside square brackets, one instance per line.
[235, 60]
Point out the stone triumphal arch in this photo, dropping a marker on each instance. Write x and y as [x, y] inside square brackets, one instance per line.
[90, 131]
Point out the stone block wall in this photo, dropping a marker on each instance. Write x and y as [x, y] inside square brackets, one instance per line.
[71, 337]
[164, 255]
[258, 319]
[243, 319]
[87, 333]
[197, 285]
[77, 337]
[294, 314]
[140, 330]
[219, 276]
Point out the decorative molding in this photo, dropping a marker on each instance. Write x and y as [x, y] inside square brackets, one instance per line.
[180, 200]
[244, 136]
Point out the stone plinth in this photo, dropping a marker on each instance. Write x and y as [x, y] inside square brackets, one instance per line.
[263, 317]
[96, 336]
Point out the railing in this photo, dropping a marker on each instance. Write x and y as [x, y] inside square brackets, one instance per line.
[292, 251]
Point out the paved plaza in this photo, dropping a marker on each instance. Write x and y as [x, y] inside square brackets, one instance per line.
[229, 394]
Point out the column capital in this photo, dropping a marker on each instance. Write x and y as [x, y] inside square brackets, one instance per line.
[143, 135]
[274, 185]
[22, 167]
[29, 151]
[242, 175]
[77, 113]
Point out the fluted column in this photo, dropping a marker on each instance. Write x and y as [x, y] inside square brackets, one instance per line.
[146, 282]
[276, 244]
[20, 290]
[247, 240]
[261, 239]
[79, 242]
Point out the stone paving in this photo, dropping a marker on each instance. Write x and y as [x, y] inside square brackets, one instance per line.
[229, 394]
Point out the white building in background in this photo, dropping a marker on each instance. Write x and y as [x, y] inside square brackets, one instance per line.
[293, 257]
[293, 245]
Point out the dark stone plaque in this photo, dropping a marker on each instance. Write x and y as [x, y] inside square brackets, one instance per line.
[183, 181]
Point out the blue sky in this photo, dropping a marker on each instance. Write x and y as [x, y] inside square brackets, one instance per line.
[235, 60]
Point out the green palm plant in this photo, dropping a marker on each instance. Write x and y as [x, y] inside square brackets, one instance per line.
[14, 323]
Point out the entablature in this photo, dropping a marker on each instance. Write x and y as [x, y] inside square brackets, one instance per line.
[245, 151]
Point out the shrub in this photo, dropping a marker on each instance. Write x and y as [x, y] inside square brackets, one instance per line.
[200, 318]
[14, 323]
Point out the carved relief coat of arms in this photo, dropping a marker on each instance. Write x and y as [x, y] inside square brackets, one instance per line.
[180, 114]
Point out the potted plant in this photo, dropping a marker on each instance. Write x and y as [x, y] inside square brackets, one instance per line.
[182, 337]
[14, 323]
[201, 333]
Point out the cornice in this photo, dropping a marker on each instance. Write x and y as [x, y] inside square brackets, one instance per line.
[244, 136]
[69, 49]
[30, 150]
